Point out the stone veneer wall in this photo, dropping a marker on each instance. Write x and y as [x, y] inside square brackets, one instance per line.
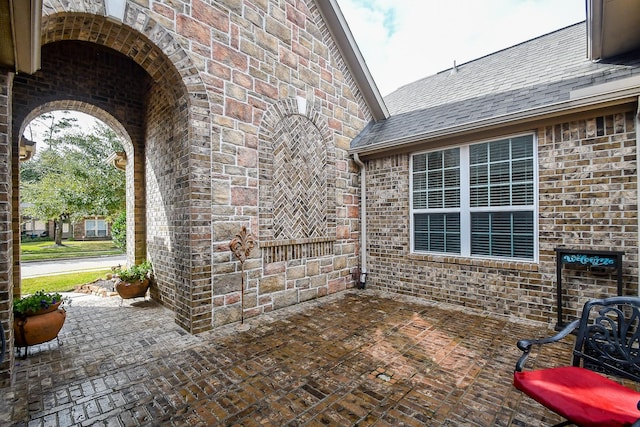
[210, 73]
[188, 84]
[283, 74]
[587, 199]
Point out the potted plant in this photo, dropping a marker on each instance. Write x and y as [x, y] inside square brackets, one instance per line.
[134, 281]
[38, 318]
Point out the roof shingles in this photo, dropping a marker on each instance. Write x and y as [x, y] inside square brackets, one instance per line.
[540, 72]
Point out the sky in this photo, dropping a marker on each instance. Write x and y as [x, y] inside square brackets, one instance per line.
[37, 132]
[405, 40]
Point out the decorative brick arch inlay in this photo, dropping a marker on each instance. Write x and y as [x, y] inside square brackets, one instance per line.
[297, 185]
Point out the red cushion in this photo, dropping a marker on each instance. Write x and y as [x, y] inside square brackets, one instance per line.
[581, 396]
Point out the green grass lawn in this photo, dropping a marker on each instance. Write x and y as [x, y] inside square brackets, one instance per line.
[43, 250]
[61, 282]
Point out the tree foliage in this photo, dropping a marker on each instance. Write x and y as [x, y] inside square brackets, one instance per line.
[69, 178]
[119, 231]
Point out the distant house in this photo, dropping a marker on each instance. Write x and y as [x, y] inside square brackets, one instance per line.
[89, 228]
[32, 228]
[92, 228]
[482, 171]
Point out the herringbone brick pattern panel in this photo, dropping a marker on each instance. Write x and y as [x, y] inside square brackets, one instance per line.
[297, 183]
[299, 190]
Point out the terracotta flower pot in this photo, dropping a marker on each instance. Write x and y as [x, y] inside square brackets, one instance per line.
[38, 328]
[135, 289]
[52, 307]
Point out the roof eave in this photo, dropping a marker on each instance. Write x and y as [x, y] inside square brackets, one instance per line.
[348, 47]
[20, 35]
[594, 29]
[520, 117]
[612, 28]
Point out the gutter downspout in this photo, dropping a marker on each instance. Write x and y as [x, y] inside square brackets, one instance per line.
[363, 221]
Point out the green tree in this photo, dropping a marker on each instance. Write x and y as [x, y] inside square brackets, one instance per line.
[52, 124]
[70, 179]
[119, 230]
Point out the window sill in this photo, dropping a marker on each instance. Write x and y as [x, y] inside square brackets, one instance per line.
[477, 262]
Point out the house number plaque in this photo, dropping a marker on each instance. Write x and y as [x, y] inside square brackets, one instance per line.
[590, 259]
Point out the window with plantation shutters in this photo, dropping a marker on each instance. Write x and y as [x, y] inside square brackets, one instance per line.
[476, 200]
[436, 201]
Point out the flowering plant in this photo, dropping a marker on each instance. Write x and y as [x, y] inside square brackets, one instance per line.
[135, 272]
[33, 303]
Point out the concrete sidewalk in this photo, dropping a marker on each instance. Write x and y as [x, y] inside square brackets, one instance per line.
[357, 358]
[62, 266]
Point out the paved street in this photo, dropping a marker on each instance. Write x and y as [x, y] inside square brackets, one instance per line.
[358, 358]
[45, 268]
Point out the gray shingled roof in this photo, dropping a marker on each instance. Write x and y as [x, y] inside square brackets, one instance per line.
[540, 72]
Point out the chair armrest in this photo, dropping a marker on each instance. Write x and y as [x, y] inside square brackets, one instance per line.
[525, 345]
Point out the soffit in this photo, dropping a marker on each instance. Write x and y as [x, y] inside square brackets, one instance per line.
[6, 38]
[20, 35]
[613, 26]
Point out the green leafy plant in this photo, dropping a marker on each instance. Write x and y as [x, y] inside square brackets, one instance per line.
[33, 303]
[119, 231]
[134, 273]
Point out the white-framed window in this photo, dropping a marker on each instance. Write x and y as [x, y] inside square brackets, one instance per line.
[476, 200]
[95, 228]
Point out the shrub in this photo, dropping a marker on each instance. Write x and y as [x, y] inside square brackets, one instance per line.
[119, 231]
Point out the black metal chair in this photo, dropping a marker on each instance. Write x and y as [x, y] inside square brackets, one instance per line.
[607, 344]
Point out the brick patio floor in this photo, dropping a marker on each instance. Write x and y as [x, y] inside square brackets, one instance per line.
[359, 358]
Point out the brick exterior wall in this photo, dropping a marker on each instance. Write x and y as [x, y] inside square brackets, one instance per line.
[587, 199]
[204, 94]
[188, 86]
[164, 167]
[286, 66]
[6, 227]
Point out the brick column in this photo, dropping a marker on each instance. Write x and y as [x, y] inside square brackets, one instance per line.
[6, 227]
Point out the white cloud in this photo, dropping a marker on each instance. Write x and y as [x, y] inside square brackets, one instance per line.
[405, 40]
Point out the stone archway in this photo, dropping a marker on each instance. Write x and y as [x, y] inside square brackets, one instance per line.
[210, 72]
[170, 137]
[177, 141]
[115, 99]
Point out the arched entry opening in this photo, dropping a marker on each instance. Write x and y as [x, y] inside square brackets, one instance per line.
[84, 77]
[136, 249]
[140, 81]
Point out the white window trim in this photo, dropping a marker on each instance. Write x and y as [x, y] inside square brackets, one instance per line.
[465, 220]
[95, 229]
